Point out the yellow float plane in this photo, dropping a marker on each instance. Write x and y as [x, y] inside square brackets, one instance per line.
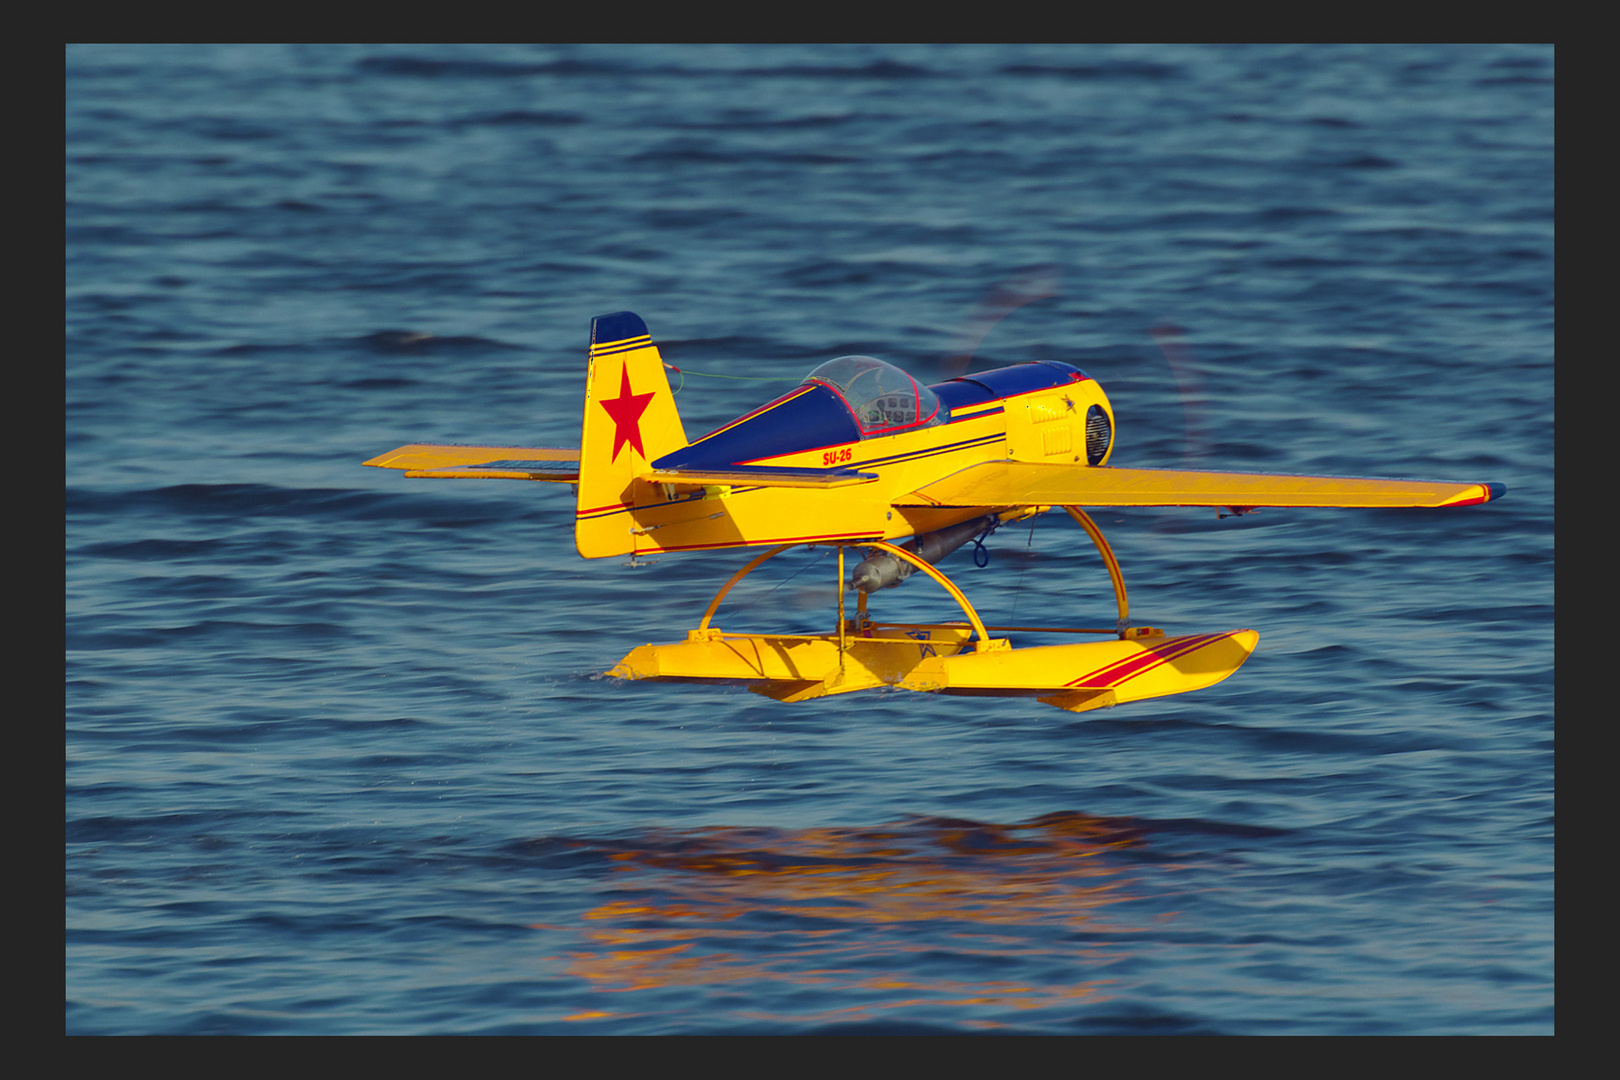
[859, 456]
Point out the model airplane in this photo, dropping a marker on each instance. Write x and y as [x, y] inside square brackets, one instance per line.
[860, 456]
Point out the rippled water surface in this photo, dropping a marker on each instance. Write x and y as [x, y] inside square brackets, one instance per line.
[340, 754]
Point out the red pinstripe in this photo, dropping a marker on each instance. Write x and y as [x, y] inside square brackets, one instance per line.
[1122, 671]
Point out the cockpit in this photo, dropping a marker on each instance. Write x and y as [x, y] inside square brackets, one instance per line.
[840, 402]
[882, 398]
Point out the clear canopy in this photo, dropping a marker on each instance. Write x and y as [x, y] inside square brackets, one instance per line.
[882, 398]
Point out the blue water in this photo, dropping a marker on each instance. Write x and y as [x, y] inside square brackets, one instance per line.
[340, 755]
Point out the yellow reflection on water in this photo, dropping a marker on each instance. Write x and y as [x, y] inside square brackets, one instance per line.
[844, 925]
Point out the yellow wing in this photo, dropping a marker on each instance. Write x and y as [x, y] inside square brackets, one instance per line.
[1018, 483]
[457, 462]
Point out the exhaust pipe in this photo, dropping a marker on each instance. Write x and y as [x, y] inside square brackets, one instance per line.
[884, 571]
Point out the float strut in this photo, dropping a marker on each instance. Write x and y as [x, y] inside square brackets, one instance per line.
[1107, 554]
[842, 629]
[714, 604]
[984, 643]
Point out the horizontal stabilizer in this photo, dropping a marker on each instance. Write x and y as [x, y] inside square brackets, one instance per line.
[455, 462]
[1018, 483]
[760, 476]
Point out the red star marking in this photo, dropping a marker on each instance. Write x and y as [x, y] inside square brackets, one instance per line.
[626, 410]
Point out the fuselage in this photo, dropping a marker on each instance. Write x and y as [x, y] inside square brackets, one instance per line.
[1041, 412]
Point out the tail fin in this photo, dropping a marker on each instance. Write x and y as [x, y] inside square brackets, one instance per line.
[630, 420]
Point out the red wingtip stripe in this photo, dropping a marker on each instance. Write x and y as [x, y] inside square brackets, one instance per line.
[1122, 671]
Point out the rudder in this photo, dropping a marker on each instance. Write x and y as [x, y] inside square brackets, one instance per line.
[630, 420]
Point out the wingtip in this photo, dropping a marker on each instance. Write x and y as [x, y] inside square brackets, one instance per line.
[1475, 494]
[381, 460]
